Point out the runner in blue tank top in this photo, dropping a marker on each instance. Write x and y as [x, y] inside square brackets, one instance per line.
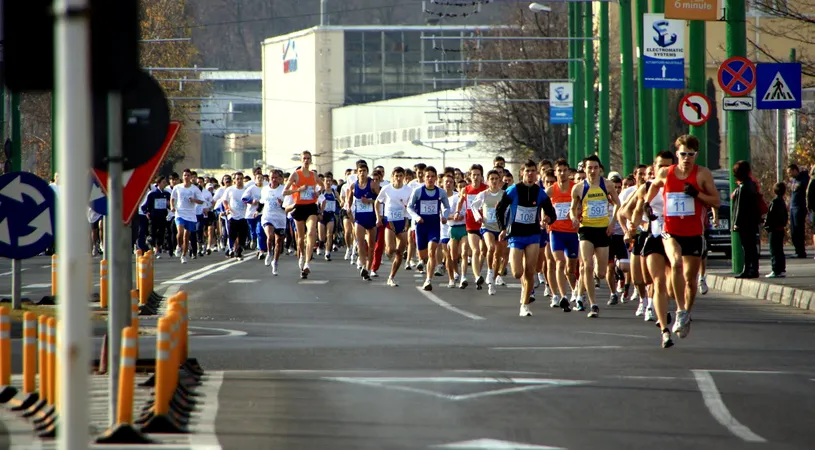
[429, 208]
[362, 195]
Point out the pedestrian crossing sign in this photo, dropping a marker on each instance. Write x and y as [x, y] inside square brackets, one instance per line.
[778, 86]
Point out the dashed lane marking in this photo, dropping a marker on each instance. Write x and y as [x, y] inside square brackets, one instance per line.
[586, 347]
[242, 281]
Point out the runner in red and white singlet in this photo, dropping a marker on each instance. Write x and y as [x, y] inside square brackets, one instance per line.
[688, 190]
[473, 226]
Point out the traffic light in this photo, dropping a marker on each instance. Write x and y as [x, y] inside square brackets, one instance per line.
[28, 44]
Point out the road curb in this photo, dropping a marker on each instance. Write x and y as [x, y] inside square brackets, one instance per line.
[784, 295]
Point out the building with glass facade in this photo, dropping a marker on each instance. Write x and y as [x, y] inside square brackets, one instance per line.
[310, 73]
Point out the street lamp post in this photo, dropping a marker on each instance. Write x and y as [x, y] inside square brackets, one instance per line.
[443, 151]
[627, 88]
[349, 152]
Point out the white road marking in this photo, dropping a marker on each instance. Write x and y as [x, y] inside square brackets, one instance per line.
[203, 433]
[37, 286]
[220, 268]
[205, 269]
[432, 297]
[715, 404]
[749, 372]
[392, 383]
[227, 333]
[587, 347]
[5, 274]
[495, 444]
[242, 281]
[638, 336]
[171, 282]
[313, 282]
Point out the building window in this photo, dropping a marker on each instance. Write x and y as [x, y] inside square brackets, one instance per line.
[356, 141]
[404, 135]
[412, 134]
[364, 140]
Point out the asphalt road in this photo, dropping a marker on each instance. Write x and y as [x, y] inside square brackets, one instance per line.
[335, 362]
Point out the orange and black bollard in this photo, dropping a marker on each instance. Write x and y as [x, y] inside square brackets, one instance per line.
[30, 395]
[134, 313]
[123, 432]
[42, 366]
[54, 260]
[103, 284]
[160, 419]
[144, 293]
[7, 392]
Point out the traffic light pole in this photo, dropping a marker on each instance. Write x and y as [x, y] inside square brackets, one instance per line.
[643, 95]
[738, 144]
[659, 111]
[16, 166]
[590, 118]
[627, 89]
[579, 88]
[697, 56]
[72, 90]
[571, 157]
[603, 114]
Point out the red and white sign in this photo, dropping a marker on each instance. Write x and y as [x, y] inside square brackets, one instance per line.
[694, 109]
[135, 181]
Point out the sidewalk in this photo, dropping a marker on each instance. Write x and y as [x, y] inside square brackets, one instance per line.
[797, 289]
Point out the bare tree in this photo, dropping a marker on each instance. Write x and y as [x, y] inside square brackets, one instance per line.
[797, 25]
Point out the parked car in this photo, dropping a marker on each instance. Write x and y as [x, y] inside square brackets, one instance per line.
[719, 239]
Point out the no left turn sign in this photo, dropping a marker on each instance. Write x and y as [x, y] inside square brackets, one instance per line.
[694, 109]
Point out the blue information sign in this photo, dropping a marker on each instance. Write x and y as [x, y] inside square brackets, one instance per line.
[26, 215]
[663, 55]
[778, 86]
[561, 103]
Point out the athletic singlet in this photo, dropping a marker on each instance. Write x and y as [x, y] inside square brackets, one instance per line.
[683, 213]
[309, 196]
[595, 207]
[471, 192]
[562, 201]
[657, 206]
[360, 193]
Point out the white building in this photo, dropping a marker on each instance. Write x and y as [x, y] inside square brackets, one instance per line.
[364, 90]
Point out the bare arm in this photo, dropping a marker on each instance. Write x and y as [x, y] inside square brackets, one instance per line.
[615, 200]
[708, 194]
[288, 189]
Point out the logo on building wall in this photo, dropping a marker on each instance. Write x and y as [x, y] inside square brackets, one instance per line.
[289, 57]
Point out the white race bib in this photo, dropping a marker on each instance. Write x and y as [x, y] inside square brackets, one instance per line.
[308, 194]
[562, 210]
[678, 204]
[429, 207]
[396, 215]
[470, 200]
[597, 209]
[491, 218]
[160, 203]
[363, 208]
[526, 215]
[330, 206]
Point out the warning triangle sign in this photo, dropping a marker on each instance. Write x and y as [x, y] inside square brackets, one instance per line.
[778, 91]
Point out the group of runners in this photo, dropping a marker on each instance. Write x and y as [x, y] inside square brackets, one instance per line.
[558, 227]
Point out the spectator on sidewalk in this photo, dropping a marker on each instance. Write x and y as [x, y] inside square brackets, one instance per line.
[776, 225]
[745, 221]
[810, 196]
[799, 182]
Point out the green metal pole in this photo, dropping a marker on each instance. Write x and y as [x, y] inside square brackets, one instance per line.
[591, 118]
[16, 134]
[659, 100]
[643, 95]
[604, 138]
[579, 88]
[572, 132]
[738, 143]
[696, 51]
[53, 135]
[627, 89]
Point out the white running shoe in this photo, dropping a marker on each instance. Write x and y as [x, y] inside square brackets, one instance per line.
[546, 291]
[347, 254]
[535, 282]
[428, 285]
[490, 276]
[702, 286]
[681, 324]
[306, 269]
[650, 315]
[269, 258]
[177, 252]
[555, 303]
[499, 281]
[274, 268]
[391, 282]
[451, 284]
[491, 289]
[634, 296]
[525, 312]
[183, 259]
[640, 310]
[302, 263]
[373, 274]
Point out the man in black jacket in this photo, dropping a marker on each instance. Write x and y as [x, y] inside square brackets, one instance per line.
[799, 181]
[776, 224]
